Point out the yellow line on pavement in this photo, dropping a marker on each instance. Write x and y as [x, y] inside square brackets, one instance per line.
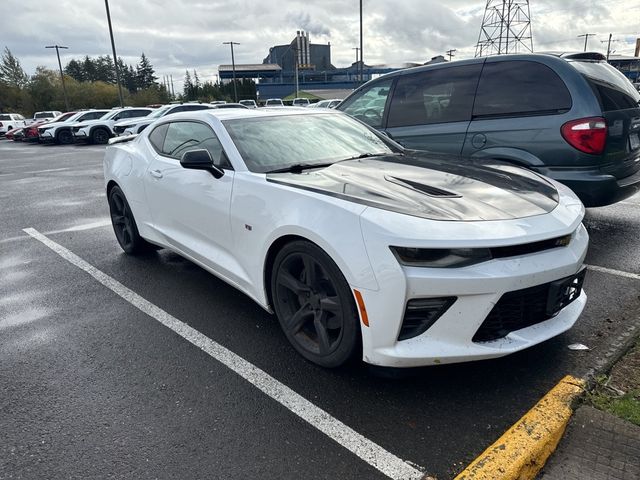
[522, 451]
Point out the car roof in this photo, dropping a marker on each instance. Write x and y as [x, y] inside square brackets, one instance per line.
[239, 113]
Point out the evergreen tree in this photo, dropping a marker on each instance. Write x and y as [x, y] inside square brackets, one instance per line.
[89, 69]
[104, 69]
[188, 86]
[75, 70]
[145, 73]
[11, 72]
[196, 84]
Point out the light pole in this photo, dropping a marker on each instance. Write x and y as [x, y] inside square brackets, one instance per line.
[115, 57]
[586, 37]
[357, 49]
[361, 49]
[233, 67]
[451, 53]
[64, 89]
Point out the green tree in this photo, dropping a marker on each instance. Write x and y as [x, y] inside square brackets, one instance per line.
[188, 86]
[11, 72]
[145, 74]
[75, 69]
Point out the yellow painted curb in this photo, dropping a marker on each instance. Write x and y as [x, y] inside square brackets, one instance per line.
[521, 452]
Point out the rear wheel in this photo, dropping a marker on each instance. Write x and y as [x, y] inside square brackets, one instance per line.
[124, 225]
[100, 136]
[314, 304]
[64, 137]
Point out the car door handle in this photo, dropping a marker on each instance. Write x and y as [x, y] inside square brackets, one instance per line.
[156, 173]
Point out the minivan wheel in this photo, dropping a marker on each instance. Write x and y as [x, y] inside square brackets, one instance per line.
[314, 304]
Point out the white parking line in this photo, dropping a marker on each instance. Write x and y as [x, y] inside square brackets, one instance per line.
[84, 226]
[611, 271]
[376, 456]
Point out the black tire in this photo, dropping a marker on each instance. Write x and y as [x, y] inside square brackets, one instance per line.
[64, 137]
[100, 136]
[124, 225]
[314, 304]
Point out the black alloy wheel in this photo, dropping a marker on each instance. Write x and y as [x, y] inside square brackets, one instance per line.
[314, 304]
[100, 136]
[124, 225]
[65, 137]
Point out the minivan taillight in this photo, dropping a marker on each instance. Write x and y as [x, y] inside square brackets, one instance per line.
[589, 135]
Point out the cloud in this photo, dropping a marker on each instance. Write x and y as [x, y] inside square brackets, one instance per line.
[302, 21]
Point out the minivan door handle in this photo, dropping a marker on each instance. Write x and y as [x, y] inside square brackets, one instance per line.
[156, 173]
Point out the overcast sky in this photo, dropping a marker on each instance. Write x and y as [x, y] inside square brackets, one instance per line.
[188, 34]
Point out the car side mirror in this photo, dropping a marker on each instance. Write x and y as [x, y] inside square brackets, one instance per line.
[201, 160]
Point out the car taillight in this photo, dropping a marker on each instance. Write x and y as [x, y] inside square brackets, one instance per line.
[589, 135]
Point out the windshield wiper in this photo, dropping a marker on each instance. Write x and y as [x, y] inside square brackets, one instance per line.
[300, 167]
[368, 155]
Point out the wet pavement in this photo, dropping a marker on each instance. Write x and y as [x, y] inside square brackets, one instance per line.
[93, 387]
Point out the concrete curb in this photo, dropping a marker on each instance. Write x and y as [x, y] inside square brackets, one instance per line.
[521, 452]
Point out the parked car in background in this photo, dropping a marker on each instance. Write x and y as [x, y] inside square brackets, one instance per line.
[300, 102]
[14, 134]
[357, 245]
[574, 119]
[274, 102]
[45, 115]
[249, 103]
[331, 103]
[137, 125]
[9, 121]
[230, 105]
[30, 132]
[99, 131]
[218, 102]
[60, 132]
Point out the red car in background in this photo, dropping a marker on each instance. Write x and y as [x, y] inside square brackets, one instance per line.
[30, 132]
[11, 134]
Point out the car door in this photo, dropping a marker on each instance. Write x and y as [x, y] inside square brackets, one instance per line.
[431, 109]
[190, 208]
[518, 113]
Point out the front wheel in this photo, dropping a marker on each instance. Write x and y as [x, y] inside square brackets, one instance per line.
[124, 225]
[64, 137]
[100, 136]
[314, 304]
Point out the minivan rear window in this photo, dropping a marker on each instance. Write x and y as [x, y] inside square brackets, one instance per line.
[5, 117]
[613, 89]
[520, 87]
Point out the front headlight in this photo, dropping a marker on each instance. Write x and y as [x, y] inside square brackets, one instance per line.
[440, 257]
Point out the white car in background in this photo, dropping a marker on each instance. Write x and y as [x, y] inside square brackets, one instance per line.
[137, 125]
[43, 116]
[356, 244]
[331, 103]
[101, 130]
[60, 132]
[9, 121]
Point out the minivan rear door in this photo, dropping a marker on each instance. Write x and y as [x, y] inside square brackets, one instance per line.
[518, 113]
[620, 103]
[431, 109]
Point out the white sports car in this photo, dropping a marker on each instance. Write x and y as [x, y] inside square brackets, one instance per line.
[357, 245]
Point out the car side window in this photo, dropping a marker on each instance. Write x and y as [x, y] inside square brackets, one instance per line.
[93, 115]
[368, 106]
[138, 113]
[156, 137]
[182, 137]
[434, 96]
[520, 87]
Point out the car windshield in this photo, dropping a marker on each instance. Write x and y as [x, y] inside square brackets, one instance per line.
[160, 112]
[43, 115]
[277, 142]
[62, 118]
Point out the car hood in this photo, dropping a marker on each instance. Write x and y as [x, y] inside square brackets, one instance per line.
[96, 121]
[134, 121]
[433, 187]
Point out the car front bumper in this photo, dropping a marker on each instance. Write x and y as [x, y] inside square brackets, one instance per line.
[477, 289]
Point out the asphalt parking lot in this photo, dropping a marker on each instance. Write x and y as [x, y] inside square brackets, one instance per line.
[94, 387]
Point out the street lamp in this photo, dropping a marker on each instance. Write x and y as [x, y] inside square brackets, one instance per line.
[115, 57]
[64, 89]
[361, 49]
[233, 67]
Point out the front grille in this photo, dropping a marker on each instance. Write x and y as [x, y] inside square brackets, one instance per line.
[527, 248]
[529, 306]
